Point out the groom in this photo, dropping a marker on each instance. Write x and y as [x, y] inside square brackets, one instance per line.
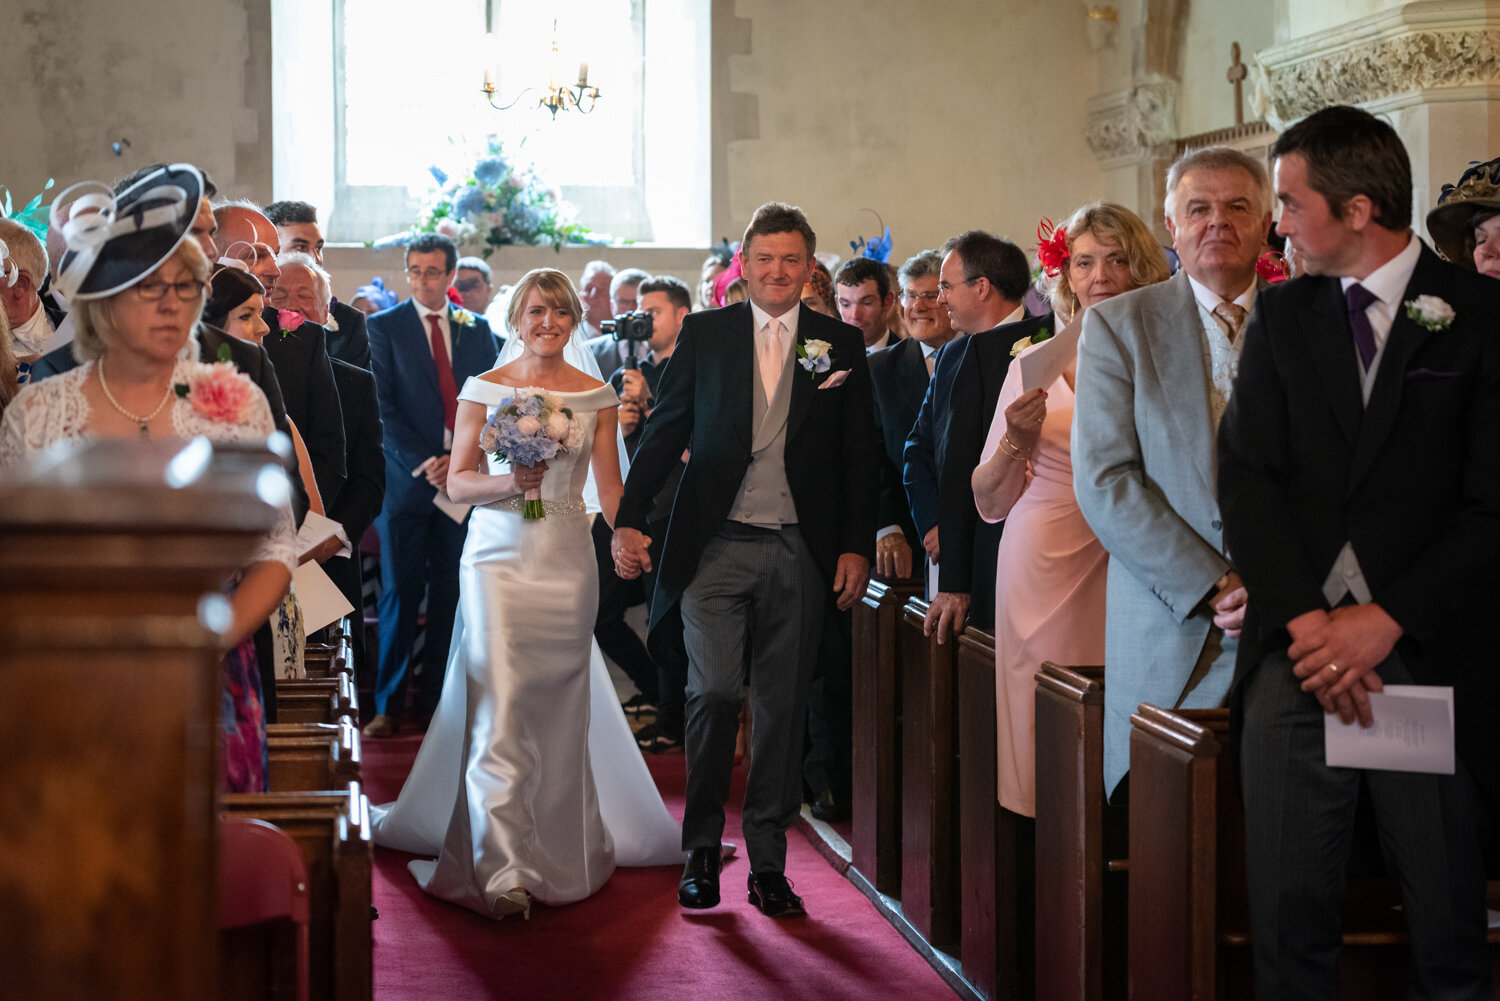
[775, 510]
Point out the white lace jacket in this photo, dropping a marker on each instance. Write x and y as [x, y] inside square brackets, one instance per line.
[56, 409]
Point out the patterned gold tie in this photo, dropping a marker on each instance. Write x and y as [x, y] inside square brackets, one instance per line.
[1231, 317]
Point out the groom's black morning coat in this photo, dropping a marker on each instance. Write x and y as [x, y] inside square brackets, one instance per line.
[704, 405]
[1412, 480]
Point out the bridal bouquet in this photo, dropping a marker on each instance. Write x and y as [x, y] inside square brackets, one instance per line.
[531, 427]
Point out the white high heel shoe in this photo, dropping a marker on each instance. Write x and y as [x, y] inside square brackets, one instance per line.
[512, 901]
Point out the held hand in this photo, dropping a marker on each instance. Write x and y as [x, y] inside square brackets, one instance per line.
[930, 543]
[437, 471]
[946, 614]
[1023, 419]
[1229, 604]
[850, 578]
[633, 388]
[326, 550]
[629, 415]
[629, 548]
[892, 557]
[530, 477]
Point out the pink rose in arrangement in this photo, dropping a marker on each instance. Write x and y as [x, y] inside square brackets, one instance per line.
[528, 426]
[220, 392]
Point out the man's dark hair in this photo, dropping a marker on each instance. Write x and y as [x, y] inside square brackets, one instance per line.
[210, 189]
[426, 243]
[287, 212]
[858, 270]
[986, 255]
[779, 217]
[677, 293]
[1351, 152]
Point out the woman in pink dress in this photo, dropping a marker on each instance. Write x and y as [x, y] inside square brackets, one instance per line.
[1050, 575]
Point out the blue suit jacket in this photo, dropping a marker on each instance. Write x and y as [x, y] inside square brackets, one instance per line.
[411, 405]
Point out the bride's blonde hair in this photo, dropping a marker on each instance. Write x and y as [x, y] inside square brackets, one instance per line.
[557, 292]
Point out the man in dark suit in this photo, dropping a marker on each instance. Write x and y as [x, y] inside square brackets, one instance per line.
[360, 498]
[776, 507]
[981, 283]
[1359, 479]
[297, 231]
[300, 354]
[899, 376]
[422, 351]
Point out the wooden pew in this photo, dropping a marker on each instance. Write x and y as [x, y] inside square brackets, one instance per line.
[324, 660]
[317, 700]
[305, 757]
[998, 905]
[929, 801]
[1188, 909]
[1080, 864]
[109, 697]
[332, 831]
[876, 762]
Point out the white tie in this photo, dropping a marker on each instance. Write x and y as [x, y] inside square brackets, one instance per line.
[770, 359]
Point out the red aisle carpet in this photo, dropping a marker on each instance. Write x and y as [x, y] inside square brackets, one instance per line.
[631, 940]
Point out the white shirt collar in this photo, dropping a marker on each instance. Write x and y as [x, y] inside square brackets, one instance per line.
[34, 336]
[885, 341]
[1208, 298]
[423, 312]
[1388, 282]
[788, 319]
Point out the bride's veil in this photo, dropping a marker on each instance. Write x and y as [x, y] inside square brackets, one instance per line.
[575, 353]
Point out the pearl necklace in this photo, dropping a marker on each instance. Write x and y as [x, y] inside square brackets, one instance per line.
[142, 421]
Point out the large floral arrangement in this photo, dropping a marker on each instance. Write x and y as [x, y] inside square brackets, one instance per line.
[496, 199]
[531, 427]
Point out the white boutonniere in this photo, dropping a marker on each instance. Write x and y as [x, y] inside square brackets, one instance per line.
[815, 355]
[1025, 342]
[331, 325]
[1431, 312]
[460, 316]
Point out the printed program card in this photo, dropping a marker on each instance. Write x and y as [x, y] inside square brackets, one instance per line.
[1042, 364]
[1413, 732]
[321, 600]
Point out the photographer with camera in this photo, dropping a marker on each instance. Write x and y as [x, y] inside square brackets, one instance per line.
[645, 339]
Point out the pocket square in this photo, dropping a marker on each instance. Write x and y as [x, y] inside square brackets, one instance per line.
[1422, 374]
[834, 379]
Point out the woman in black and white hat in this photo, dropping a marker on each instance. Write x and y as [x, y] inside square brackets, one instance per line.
[136, 285]
[1465, 225]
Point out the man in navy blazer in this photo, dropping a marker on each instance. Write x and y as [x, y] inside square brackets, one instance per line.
[1359, 481]
[775, 510]
[422, 351]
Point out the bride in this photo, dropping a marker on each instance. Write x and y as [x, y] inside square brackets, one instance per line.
[505, 791]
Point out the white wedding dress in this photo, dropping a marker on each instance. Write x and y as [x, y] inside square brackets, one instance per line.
[505, 790]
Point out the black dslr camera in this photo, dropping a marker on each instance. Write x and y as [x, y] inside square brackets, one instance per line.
[633, 328]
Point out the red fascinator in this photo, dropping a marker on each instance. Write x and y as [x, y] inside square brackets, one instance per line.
[1051, 247]
[1273, 267]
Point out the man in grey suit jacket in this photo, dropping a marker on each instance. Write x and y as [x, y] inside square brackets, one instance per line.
[1154, 373]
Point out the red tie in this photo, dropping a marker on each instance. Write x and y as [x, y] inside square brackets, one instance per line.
[446, 385]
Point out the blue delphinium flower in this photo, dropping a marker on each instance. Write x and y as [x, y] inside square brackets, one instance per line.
[438, 173]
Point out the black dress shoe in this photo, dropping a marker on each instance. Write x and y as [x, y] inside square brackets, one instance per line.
[772, 894]
[699, 886]
[829, 810]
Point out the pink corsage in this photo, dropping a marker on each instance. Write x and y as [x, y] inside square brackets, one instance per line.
[288, 320]
[1051, 247]
[219, 392]
[1273, 267]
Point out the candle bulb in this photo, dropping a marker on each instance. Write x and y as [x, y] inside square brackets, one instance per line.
[489, 77]
[583, 74]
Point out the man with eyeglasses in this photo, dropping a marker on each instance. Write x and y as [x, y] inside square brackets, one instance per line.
[899, 376]
[623, 298]
[475, 284]
[981, 284]
[297, 231]
[422, 351]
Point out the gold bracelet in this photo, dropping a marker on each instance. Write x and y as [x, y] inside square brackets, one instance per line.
[1010, 448]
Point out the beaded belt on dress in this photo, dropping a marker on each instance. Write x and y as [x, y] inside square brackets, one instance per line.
[516, 502]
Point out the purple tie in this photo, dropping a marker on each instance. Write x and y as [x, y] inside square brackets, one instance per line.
[1359, 298]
